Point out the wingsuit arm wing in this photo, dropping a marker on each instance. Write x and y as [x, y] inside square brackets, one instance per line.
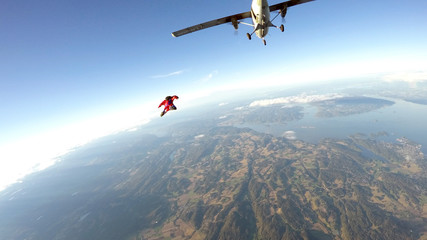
[161, 104]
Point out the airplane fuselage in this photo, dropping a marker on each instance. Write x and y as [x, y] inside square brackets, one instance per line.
[260, 13]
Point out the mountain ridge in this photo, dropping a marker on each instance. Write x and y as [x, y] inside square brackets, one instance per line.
[223, 183]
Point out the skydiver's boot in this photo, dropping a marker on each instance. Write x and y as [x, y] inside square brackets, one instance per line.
[163, 113]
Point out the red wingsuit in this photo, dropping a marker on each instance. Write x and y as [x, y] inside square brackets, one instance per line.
[168, 102]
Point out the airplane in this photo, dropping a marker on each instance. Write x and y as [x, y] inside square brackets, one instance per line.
[260, 14]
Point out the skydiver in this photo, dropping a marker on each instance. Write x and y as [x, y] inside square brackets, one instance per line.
[168, 102]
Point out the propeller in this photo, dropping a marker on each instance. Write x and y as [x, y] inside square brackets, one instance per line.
[283, 14]
[236, 30]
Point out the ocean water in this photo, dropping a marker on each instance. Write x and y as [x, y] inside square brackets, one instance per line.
[402, 119]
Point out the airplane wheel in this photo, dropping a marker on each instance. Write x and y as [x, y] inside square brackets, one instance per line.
[265, 43]
[282, 28]
[249, 36]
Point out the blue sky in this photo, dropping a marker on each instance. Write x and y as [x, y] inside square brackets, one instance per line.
[67, 65]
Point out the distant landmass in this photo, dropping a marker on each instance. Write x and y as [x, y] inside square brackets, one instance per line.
[262, 115]
[349, 105]
[417, 101]
[223, 182]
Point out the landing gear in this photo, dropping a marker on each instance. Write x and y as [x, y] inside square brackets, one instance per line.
[282, 28]
[249, 36]
[265, 43]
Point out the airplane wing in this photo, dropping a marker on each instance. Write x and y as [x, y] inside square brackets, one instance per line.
[290, 3]
[232, 19]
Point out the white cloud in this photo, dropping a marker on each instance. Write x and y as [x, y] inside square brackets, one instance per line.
[209, 76]
[294, 99]
[169, 74]
[199, 136]
[291, 135]
[133, 129]
[411, 77]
